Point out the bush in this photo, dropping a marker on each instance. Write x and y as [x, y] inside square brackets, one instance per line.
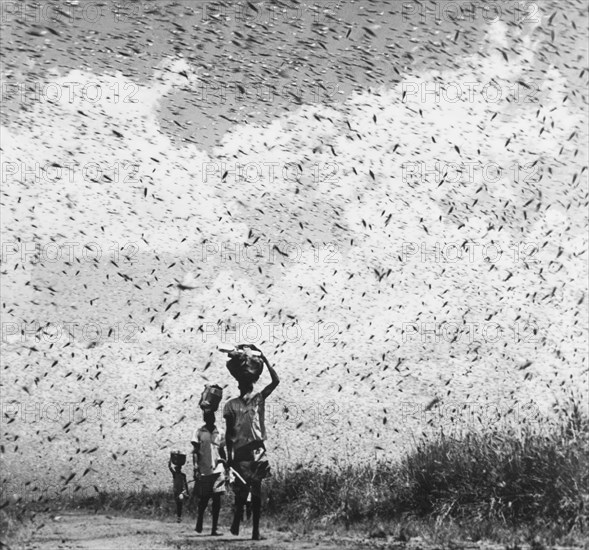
[523, 475]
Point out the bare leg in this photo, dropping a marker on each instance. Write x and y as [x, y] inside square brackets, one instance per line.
[216, 510]
[239, 502]
[248, 507]
[256, 509]
[202, 506]
[178, 509]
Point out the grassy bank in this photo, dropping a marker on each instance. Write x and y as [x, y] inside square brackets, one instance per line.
[533, 477]
[488, 475]
[533, 480]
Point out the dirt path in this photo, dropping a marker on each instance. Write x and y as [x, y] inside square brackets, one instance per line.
[105, 532]
[76, 530]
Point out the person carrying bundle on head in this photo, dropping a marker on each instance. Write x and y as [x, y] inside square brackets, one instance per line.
[246, 432]
[177, 460]
[209, 460]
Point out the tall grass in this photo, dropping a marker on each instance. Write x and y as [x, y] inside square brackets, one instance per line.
[535, 474]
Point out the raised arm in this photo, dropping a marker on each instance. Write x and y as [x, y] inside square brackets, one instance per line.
[170, 465]
[275, 380]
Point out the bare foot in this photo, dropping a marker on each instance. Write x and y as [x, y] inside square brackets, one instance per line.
[215, 534]
[234, 530]
[257, 536]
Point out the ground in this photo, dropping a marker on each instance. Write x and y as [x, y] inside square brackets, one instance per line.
[107, 532]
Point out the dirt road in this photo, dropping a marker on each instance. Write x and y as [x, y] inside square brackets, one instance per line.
[77, 530]
[106, 532]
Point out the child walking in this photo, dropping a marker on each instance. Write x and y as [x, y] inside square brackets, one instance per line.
[209, 467]
[175, 463]
[245, 435]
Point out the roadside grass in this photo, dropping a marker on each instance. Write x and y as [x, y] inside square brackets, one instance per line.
[524, 483]
[532, 477]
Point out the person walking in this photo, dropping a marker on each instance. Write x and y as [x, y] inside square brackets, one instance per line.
[246, 432]
[209, 470]
[180, 485]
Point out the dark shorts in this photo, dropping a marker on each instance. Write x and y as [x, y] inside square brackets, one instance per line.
[251, 464]
[206, 486]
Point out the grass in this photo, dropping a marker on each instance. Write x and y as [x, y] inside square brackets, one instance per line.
[533, 478]
[530, 480]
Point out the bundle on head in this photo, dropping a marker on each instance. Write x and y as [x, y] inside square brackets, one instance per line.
[244, 366]
[178, 458]
[211, 397]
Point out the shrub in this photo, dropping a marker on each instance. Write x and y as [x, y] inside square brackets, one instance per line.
[520, 475]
